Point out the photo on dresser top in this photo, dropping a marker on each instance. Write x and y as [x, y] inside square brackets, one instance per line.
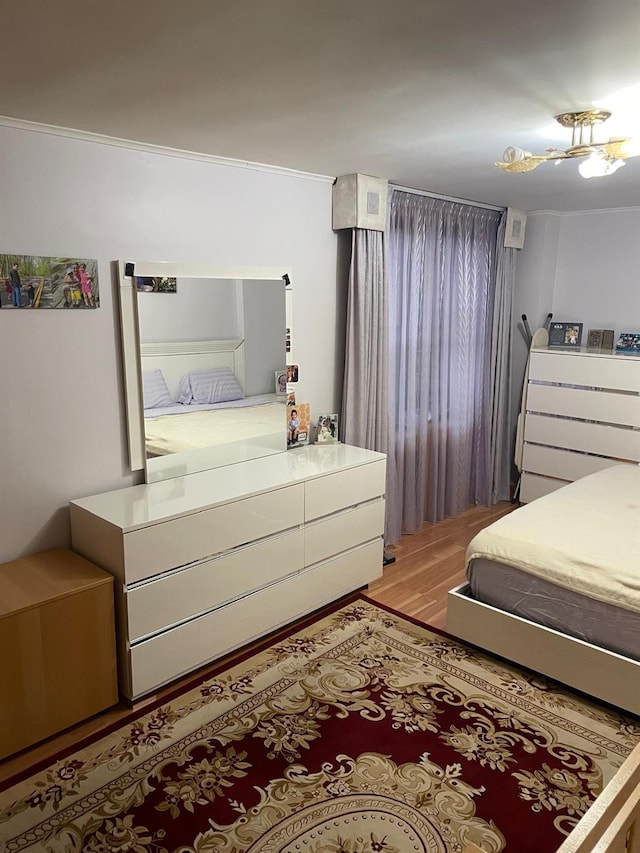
[565, 335]
[36, 281]
[628, 343]
[298, 422]
[600, 340]
[327, 429]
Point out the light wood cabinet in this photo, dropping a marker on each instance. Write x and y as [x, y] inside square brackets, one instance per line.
[57, 635]
[208, 562]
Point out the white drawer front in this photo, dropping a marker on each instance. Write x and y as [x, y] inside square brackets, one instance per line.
[163, 658]
[159, 547]
[563, 464]
[326, 495]
[340, 532]
[619, 372]
[602, 439]
[533, 487]
[607, 407]
[187, 592]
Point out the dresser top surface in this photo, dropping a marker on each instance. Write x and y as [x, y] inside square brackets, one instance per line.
[139, 506]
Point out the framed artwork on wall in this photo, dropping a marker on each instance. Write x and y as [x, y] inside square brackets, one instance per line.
[35, 281]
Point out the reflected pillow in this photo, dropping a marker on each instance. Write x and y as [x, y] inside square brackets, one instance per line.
[155, 394]
[216, 385]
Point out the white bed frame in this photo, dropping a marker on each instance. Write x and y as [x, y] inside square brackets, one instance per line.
[598, 672]
[177, 358]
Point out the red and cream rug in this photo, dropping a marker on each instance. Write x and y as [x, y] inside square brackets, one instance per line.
[363, 732]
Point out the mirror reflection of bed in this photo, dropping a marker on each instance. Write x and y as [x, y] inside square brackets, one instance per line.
[208, 357]
[221, 414]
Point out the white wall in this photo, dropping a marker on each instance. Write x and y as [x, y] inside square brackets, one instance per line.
[579, 266]
[200, 310]
[62, 419]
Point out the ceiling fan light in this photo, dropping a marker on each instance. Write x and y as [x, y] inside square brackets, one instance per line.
[514, 155]
[597, 165]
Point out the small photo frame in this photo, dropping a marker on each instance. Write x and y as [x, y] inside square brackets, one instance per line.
[281, 383]
[298, 418]
[327, 429]
[629, 343]
[565, 335]
[600, 339]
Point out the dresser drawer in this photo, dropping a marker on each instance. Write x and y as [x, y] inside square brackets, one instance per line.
[340, 532]
[183, 594]
[167, 656]
[159, 547]
[326, 495]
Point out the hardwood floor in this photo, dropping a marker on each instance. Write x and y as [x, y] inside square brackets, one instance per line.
[428, 564]
[431, 562]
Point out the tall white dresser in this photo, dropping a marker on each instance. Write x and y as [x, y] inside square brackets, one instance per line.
[208, 562]
[582, 415]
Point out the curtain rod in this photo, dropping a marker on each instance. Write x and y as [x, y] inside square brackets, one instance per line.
[446, 197]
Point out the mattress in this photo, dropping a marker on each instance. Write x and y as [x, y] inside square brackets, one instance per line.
[569, 561]
[584, 537]
[596, 622]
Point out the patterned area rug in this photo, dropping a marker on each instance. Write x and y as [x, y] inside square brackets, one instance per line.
[363, 732]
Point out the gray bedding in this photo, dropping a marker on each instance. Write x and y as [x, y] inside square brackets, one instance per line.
[541, 601]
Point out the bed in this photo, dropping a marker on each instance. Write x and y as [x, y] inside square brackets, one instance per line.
[555, 586]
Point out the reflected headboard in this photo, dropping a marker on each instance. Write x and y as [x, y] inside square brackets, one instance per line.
[177, 358]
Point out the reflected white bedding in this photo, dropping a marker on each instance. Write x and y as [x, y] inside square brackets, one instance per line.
[207, 426]
[180, 409]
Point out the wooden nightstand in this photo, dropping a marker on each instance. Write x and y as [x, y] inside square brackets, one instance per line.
[57, 635]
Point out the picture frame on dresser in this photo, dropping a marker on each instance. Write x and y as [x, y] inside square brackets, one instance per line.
[567, 335]
[628, 343]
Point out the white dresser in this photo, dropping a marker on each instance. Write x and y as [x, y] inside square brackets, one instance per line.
[208, 562]
[582, 415]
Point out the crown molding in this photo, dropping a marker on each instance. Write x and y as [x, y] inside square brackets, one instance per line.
[582, 212]
[160, 150]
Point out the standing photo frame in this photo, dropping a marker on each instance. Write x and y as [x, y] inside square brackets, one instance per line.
[565, 335]
[327, 429]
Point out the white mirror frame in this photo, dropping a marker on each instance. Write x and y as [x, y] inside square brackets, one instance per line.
[130, 330]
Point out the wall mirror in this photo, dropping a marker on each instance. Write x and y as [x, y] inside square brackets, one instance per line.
[202, 345]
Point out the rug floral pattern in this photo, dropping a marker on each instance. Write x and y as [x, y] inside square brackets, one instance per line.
[362, 733]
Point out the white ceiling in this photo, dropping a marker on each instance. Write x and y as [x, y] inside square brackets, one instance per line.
[427, 93]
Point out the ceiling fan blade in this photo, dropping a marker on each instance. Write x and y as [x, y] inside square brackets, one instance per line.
[621, 149]
[526, 165]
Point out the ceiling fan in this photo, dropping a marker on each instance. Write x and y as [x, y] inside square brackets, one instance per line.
[602, 158]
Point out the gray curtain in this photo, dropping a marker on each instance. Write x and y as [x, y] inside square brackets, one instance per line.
[365, 405]
[441, 272]
[501, 443]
